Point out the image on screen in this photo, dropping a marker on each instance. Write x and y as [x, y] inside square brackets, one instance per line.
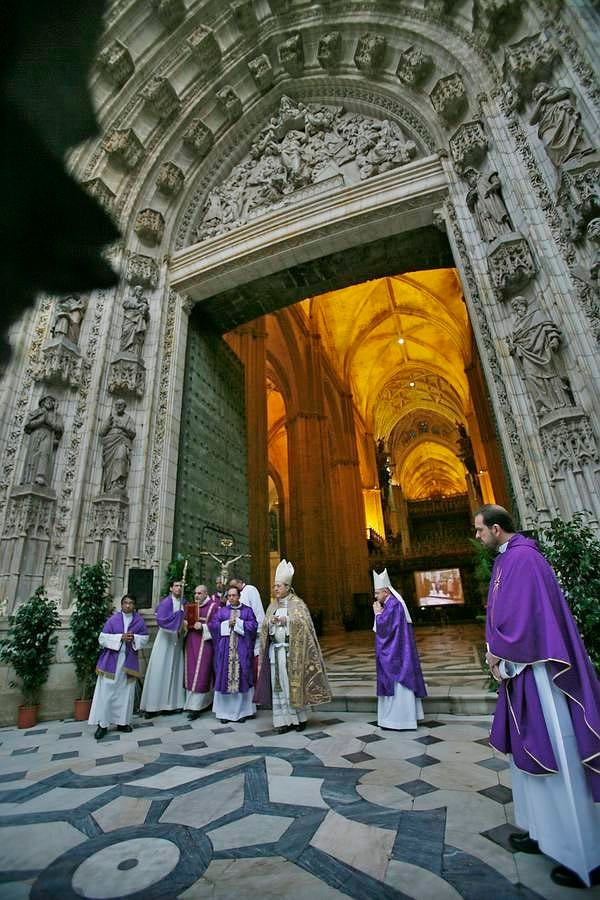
[439, 587]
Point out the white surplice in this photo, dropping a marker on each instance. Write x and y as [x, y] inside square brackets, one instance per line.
[112, 703]
[233, 707]
[250, 597]
[402, 711]
[163, 683]
[284, 714]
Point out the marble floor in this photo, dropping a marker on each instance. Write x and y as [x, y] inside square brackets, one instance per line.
[205, 810]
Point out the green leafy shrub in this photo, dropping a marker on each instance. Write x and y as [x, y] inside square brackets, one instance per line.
[175, 570]
[29, 647]
[93, 604]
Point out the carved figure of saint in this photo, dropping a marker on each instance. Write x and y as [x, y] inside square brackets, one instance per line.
[117, 434]
[68, 318]
[136, 315]
[45, 428]
[486, 204]
[558, 122]
[534, 343]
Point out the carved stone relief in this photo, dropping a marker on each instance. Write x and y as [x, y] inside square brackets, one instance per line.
[468, 145]
[124, 148]
[150, 226]
[170, 179]
[414, 66]
[593, 236]
[329, 51]
[60, 364]
[170, 12]
[127, 371]
[198, 138]
[495, 20]
[116, 62]
[291, 54]
[30, 513]
[262, 72]
[568, 442]
[510, 264]
[280, 7]
[117, 434]
[142, 270]
[101, 192]
[230, 103]
[110, 516]
[45, 429]
[205, 49]
[579, 193]
[559, 123]
[370, 53]
[440, 7]
[449, 98]
[486, 203]
[303, 145]
[160, 96]
[68, 317]
[528, 62]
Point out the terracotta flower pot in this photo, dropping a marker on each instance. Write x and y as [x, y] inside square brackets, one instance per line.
[81, 710]
[27, 716]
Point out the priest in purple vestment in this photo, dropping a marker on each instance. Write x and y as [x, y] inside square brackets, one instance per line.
[233, 628]
[198, 652]
[400, 685]
[548, 712]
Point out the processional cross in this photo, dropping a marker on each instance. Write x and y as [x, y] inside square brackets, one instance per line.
[227, 543]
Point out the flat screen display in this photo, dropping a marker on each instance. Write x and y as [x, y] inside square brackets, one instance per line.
[439, 587]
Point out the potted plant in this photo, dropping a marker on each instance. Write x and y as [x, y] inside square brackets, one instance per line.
[93, 604]
[29, 649]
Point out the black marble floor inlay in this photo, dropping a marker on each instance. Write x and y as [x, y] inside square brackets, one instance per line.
[317, 735]
[150, 742]
[483, 741]
[358, 757]
[497, 792]
[370, 738]
[423, 760]
[12, 776]
[494, 764]
[109, 760]
[197, 745]
[181, 728]
[225, 730]
[417, 787]
[69, 734]
[70, 755]
[143, 724]
[36, 731]
[428, 739]
[431, 723]
[21, 751]
[266, 733]
[500, 835]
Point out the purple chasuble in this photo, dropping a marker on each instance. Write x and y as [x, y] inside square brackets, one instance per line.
[166, 617]
[107, 661]
[529, 621]
[396, 652]
[234, 652]
[198, 652]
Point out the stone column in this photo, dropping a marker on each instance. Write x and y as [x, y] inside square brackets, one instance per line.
[489, 440]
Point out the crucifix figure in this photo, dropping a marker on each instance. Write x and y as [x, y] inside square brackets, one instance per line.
[224, 563]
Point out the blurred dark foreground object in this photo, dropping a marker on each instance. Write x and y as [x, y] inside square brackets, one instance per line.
[51, 232]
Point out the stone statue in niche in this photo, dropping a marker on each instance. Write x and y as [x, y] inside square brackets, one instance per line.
[558, 122]
[486, 204]
[117, 435]
[467, 455]
[68, 318]
[45, 427]
[136, 315]
[300, 147]
[534, 343]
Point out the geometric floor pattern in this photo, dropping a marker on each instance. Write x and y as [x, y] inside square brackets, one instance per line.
[202, 810]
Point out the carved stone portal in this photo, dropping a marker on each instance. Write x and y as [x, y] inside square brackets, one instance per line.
[142, 270]
[60, 363]
[414, 66]
[510, 264]
[127, 375]
[329, 51]
[528, 62]
[230, 103]
[370, 53]
[205, 49]
[116, 62]
[150, 226]
[303, 146]
[198, 138]
[109, 519]
[30, 513]
[161, 97]
[468, 145]
[449, 98]
[170, 179]
[579, 193]
[101, 192]
[568, 441]
[496, 20]
[124, 148]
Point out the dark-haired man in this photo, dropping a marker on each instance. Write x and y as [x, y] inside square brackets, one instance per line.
[163, 685]
[123, 635]
[548, 712]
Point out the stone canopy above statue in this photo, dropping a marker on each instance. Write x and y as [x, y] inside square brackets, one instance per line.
[303, 149]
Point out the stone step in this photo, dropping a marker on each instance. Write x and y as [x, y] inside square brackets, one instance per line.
[447, 700]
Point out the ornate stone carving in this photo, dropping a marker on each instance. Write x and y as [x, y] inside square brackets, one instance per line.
[449, 98]
[370, 53]
[150, 226]
[170, 12]
[262, 72]
[160, 95]
[68, 317]
[528, 62]
[568, 441]
[124, 148]
[101, 192]
[495, 20]
[534, 343]
[127, 375]
[116, 436]
[205, 49]
[486, 203]
[468, 145]
[440, 7]
[170, 179]
[244, 15]
[510, 264]
[30, 513]
[291, 54]
[230, 103]
[579, 193]
[198, 137]
[116, 62]
[329, 51]
[593, 236]
[45, 427]
[60, 363]
[414, 66]
[109, 519]
[559, 123]
[302, 145]
[136, 315]
[142, 270]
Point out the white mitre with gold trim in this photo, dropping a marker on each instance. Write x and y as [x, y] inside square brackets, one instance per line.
[284, 572]
[381, 581]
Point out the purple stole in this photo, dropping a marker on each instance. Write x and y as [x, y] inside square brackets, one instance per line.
[234, 653]
[198, 652]
[166, 617]
[396, 652]
[529, 621]
[107, 661]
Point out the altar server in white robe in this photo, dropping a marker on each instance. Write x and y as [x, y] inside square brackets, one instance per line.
[163, 685]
